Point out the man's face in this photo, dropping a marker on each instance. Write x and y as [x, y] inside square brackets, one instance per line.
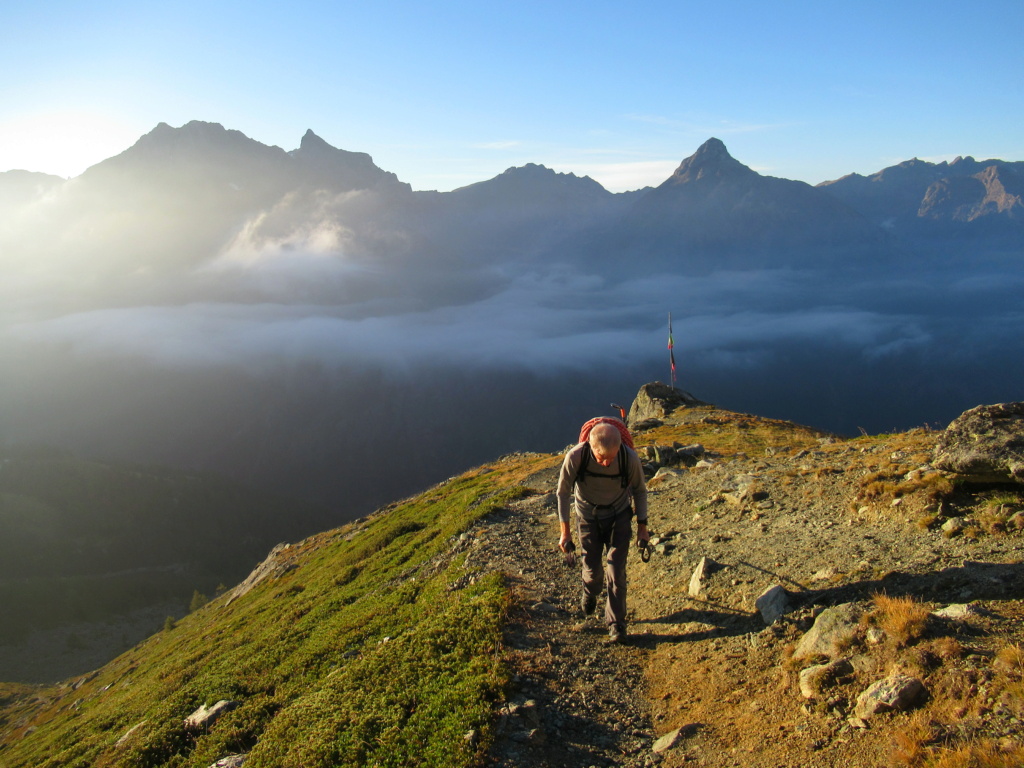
[604, 459]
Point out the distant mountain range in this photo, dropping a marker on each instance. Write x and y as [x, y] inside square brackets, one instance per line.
[180, 195]
[918, 198]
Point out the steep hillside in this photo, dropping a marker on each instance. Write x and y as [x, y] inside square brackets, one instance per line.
[444, 629]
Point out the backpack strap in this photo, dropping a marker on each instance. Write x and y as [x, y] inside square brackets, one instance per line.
[623, 473]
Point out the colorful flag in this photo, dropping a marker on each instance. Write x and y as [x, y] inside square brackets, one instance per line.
[671, 353]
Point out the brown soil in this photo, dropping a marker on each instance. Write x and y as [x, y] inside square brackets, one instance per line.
[832, 521]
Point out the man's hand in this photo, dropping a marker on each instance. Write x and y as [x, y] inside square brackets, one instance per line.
[643, 536]
[566, 537]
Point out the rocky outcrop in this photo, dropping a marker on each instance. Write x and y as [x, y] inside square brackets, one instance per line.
[967, 198]
[656, 401]
[985, 444]
[280, 560]
[204, 717]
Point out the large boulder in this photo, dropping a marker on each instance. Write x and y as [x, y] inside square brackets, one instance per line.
[657, 400]
[985, 444]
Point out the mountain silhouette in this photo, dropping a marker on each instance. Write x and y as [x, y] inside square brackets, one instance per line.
[916, 198]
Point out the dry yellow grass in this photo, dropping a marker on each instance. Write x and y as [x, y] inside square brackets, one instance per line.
[901, 618]
[987, 754]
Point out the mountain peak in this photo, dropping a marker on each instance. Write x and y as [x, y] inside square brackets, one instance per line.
[340, 168]
[312, 142]
[711, 160]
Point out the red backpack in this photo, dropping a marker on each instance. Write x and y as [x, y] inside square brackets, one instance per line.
[627, 438]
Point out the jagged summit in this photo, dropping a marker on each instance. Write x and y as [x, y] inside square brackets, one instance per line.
[964, 190]
[198, 145]
[310, 141]
[711, 161]
[534, 184]
[327, 165]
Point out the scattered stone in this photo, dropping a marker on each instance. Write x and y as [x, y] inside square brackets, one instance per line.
[231, 761]
[672, 738]
[665, 477]
[896, 693]
[833, 628]
[825, 574]
[732, 498]
[696, 450]
[957, 612]
[773, 603]
[704, 569]
[952, 527]
[205, 717]
[665, 455]
[814, 678]
[985, 443]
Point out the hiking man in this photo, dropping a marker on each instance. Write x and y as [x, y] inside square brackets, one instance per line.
[602, 480]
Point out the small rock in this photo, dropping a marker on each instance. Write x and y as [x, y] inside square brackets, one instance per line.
[773, 603]
[957, 612]
[825, 574]
[814, 678]
[953, 526]
[704, 569]
[671, 739]
[205, 717]
[896, 693]
[832, 628]
[231, 761]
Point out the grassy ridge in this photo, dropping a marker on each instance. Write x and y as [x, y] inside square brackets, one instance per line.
[367, 652]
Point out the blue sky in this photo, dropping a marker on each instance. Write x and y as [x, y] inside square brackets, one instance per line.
[445, 94]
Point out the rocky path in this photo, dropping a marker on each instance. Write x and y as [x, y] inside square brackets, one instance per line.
[700, 658]
[575, 700]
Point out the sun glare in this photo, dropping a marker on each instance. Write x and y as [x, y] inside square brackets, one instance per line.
[62, 143]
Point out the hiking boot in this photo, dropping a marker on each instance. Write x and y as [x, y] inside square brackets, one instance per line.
[588, 603]
[616, 634]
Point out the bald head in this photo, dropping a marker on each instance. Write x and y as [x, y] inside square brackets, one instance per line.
[605, 440]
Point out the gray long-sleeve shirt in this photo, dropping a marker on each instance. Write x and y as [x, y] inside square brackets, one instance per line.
[594, 492]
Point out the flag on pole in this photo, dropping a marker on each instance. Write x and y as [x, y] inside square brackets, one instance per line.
[671, 353]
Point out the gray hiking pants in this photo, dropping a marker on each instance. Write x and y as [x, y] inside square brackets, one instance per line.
[607, 539]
